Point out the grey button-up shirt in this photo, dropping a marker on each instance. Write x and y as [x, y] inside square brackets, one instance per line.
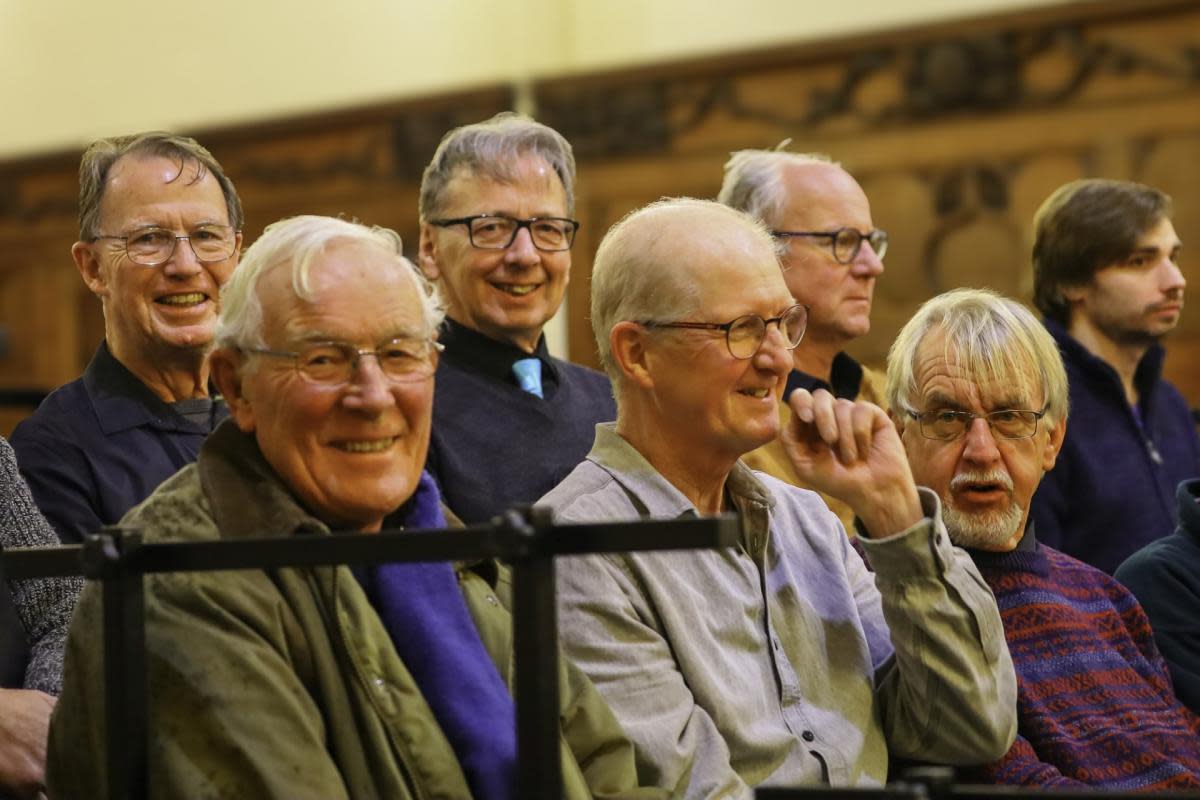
[784, 660]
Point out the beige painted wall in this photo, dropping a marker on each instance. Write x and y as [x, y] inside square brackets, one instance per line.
[73, 70]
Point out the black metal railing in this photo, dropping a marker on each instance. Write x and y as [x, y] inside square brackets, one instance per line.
[527, 539]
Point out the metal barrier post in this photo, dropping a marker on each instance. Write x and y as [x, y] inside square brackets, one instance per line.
[535, 646]
[112, 558]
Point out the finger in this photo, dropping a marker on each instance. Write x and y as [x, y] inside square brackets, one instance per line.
[864, 424]
[801, 402]
[847, 446]
[825, 417]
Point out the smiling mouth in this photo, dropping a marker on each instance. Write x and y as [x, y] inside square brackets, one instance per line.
[189, 299]
[756, 393]
[516, 289]
[365, 445]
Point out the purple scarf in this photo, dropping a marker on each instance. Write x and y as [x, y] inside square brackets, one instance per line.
[424, 612]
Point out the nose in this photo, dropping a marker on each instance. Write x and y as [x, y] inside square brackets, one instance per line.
[980, 446]
[369, 389]
[867, 264]
[183, 261]
[773, 354]
[1174, 282]
[522, 251]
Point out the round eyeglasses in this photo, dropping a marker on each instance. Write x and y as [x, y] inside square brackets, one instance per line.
[846, 242]
[334, 363]
[948, 424]
[498, 232]
[153, 246]
[744, 335]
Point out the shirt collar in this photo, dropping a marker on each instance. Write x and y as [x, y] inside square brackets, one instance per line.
[1145, 377]
[657, 496]
[121, 401]
[845, 378]
[489, 356]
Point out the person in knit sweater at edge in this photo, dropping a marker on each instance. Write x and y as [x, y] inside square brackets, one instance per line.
[1107, 280]
[979, 394]
[385, 681]
[34, 616]
[1165, 577]
[832, 253]
[509, 420]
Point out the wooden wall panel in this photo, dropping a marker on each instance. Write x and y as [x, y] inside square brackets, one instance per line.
[957, 132]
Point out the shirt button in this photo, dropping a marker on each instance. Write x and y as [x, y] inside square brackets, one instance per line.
[808, 736]
[492, 599]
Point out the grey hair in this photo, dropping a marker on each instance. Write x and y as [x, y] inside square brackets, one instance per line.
[102, 154]
[490, 149]
[754, 180]
[634, 276]
[297, 242]
[994, 340]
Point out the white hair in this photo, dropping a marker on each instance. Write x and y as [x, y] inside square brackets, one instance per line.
[297, 242]
[994, 339]
[754, 180]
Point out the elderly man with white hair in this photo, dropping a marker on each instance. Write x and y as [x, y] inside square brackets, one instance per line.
[322, 682]
[783, 660]
[977, 388]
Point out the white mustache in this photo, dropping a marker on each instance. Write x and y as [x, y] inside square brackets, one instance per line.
[961, 480]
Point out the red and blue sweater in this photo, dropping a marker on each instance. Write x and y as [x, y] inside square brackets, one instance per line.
[1095, 703]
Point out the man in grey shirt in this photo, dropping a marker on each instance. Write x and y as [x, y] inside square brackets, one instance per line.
[782, 661]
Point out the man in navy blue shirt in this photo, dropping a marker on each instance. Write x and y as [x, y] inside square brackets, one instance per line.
[509, 420]
[1107, 279]
[159, 233]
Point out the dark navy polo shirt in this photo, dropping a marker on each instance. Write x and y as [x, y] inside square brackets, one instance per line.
[100, 445]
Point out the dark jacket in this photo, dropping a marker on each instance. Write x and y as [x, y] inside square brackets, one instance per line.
[1112, 490]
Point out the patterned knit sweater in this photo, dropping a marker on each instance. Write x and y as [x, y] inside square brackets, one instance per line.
[1095, 702]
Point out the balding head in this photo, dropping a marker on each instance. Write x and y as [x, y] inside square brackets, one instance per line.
[650, 265]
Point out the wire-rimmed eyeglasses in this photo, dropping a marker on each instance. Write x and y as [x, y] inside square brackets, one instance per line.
[744, 335]
[846, 242]
[153, 246]
[947, 424]
[334, 363]
[498, 232]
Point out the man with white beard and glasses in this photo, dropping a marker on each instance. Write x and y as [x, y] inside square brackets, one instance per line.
[978, 392]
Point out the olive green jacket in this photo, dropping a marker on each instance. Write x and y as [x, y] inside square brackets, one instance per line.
[284, 683]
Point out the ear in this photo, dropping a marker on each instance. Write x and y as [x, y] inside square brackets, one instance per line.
[90, 268]
[1072, 294]
[1054, 443]
[226, 366]
[627, 340]
[427, 252]
[237, 248]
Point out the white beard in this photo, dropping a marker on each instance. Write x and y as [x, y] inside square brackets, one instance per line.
[993, 530]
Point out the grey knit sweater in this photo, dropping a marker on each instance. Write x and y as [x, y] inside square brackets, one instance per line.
[44, 605]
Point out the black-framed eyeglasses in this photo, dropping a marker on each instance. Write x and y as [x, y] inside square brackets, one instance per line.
[948, 424]
[845, 242]
[498, 232]
[153, 246]
[744, 335]
[334, 363]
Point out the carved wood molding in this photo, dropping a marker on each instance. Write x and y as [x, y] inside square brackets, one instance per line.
[975, 73]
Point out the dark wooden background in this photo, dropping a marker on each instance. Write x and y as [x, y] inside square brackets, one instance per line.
[956, 132]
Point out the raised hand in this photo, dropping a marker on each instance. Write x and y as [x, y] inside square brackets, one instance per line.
[851, 450]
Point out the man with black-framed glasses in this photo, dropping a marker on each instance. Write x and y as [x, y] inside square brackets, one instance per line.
[979, 394]
[832, 254]
[510, 420]
[160, 230]
[781, 660]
